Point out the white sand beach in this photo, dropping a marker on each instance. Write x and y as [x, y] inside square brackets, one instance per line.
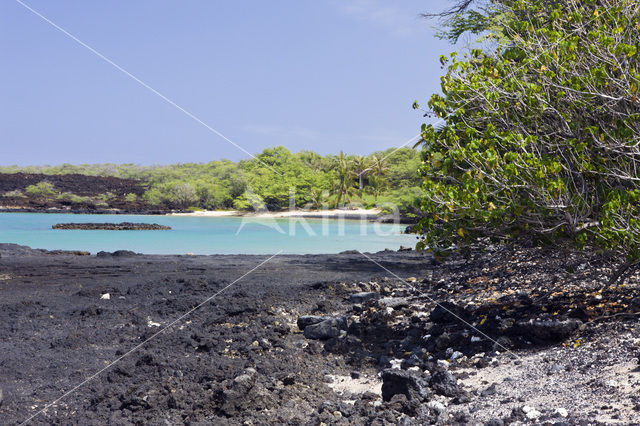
[329, 213]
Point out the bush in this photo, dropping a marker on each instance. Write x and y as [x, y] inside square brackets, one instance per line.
[131, 198]
[76, 199]
[14, 194]
[542, 134]
[40, 190]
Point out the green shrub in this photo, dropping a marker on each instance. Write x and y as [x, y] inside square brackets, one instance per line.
[40, 190]
[76, 199]
[131, 198]
[541, 136]
[14, 194]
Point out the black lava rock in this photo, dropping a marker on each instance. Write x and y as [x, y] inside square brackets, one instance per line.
[447, 312]
[326, 329]
[443, 383]
[306, 320]
[547, 331]
[400, 382]
[363, 297]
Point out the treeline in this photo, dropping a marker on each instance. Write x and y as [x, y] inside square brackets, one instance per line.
[273, 179]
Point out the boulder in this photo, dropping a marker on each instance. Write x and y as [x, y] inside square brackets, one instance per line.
[443, 383]
[411, 384]
[306, 320]
[447, 312]
[363, 297]
[327, 329]
[393, 302]
[551, 330]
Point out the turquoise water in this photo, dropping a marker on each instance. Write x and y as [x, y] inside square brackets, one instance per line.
[204, 235]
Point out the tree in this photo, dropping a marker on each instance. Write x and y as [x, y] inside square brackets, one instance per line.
[478, 17]
[184, 195]
[542, 135]
[360, 167]
[343, 186]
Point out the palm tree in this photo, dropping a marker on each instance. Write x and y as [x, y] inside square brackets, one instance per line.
[318, 198]
[379, 165]
[342, 187]
[361, 166]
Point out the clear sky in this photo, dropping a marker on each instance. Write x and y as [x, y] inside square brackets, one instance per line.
[325, 75]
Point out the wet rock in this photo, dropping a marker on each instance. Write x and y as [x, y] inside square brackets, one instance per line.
[541, 331]
[306, 320]
[408, 383]
[327, 329]
[443, 383]
[363, 297]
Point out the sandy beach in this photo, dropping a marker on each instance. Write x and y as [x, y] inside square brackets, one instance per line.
[329, 213]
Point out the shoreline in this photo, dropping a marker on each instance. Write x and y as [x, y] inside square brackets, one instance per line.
[330, 213]
[369, 214]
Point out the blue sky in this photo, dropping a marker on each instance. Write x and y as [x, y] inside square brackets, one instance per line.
[324, 75]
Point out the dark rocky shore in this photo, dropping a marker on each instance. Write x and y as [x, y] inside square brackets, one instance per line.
[123, 226]
[506, 336]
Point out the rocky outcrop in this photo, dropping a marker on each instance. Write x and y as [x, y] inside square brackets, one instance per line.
[124, 226]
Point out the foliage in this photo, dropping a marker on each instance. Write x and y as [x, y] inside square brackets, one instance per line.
[266, 181]
[41, 189]
[76, 199]
[541, 136]
[131, 198]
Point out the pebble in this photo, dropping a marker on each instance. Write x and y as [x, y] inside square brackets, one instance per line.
[105, 296]
[562, 412]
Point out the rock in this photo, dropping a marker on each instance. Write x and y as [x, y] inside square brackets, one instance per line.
[408, 383]
[1, 397]
[105, 296]
[355, 374]
[124, 226]
[542, 331]
[443, 383]
[447, 312]
[393, 302]
[556, 368]
[436, 406]
[117, 253]
[491, 390]
[306, 320]
[123, 253]
[562, 412]
[327, 329]
[531, 412]
[363, 297]
[494, 422]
